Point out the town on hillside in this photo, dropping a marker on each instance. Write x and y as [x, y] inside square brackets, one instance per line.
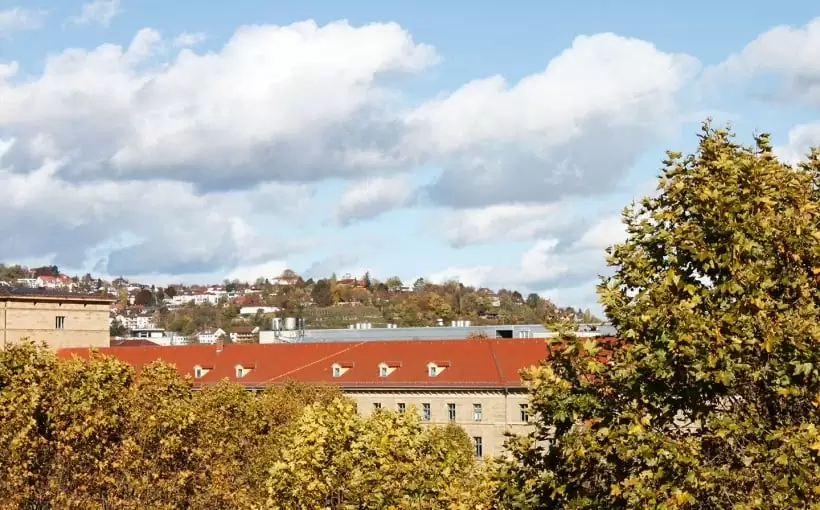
[241, 312]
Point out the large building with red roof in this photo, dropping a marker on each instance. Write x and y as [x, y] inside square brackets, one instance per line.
[474, 383]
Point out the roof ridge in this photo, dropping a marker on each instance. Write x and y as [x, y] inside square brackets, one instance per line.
[501, 377]
[320, 360]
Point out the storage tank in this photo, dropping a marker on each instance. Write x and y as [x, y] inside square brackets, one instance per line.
[290, 323]
[467, 323]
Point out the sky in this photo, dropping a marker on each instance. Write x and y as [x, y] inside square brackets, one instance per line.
[493, 143]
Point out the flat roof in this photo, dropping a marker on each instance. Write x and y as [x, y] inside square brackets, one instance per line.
[29, 294]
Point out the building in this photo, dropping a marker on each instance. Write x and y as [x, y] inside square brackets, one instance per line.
[457, 330]
[57, 318]
[473, 383]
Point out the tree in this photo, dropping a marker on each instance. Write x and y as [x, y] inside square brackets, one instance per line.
[712, 398]
[533, 300]
[144, 298]
[338, 459]
[321, 293]
[394, 283]
[418, 285]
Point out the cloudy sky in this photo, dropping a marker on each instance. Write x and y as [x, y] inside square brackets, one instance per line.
[491, 142]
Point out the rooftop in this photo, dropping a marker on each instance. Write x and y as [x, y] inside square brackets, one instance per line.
[465, 364]
[51, 294]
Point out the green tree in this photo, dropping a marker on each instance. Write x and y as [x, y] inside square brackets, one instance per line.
[713, 398]
[533, 300]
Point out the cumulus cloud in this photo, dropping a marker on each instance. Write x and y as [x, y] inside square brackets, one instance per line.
[370, 198]
[531, 142]
[18, 19]
[186, 39]
[156, 226]
[98, 11]
[199, 142]
[338, 264]
[800, 140]
[503, 223]
[548, 263]
[789, 54]
[299, 103]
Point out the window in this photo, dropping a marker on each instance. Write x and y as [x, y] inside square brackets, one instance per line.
[525, 415]
[432, 370]
[198, 372]
[401, 407]
[383, 371]
[59, 322]
[337, 371]
[425, 412]
[477, 412]
[240, 372]
[377, 406]
[451, 412]
[479, 446]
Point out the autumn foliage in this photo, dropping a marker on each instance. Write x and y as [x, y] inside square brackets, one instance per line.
[92, 434]
[713, 398]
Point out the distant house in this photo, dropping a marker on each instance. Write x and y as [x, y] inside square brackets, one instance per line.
[209, 336]
[253, 310]
[60, 282]
[244, 334]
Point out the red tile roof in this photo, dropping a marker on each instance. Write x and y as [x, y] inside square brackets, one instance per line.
[479, 363]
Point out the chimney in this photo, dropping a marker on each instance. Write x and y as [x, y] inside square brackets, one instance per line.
[220, 343]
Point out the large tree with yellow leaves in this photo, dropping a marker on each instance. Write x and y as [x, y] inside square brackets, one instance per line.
[712, 398]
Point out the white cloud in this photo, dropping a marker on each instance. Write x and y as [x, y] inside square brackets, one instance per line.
[98, 11]
[18, 19]
[533, 141]
[222, 134]
[801, 138]
[502, 223]
[299, 102]
[186, 39]
[549, 263]
[153, 226]
[789, 53]
[370, 198]
[471, 276]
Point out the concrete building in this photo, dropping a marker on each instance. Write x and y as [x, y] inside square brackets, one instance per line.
[59, 319]
[473, 383]
[288, 331]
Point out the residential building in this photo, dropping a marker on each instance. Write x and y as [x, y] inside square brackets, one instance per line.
[473, 383]
[59, 319]
[253, 310]
[209, 336]
[54, 282]
[244, 334]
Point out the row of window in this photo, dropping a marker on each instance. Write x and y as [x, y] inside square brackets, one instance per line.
[384, 370]
[452, 415]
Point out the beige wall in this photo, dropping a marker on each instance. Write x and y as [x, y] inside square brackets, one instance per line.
[500, 412]
[86, 324]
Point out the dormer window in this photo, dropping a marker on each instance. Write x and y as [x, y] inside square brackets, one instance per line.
[338, 369]
[435, 368]
[240, 372]
[388, 367]
[198, 372]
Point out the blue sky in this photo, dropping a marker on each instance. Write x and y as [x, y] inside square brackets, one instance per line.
[487, 142]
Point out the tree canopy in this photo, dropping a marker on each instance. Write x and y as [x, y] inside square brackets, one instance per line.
[712, 397]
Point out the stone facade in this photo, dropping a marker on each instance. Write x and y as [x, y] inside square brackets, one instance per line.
[500, 411]
[67, 320]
